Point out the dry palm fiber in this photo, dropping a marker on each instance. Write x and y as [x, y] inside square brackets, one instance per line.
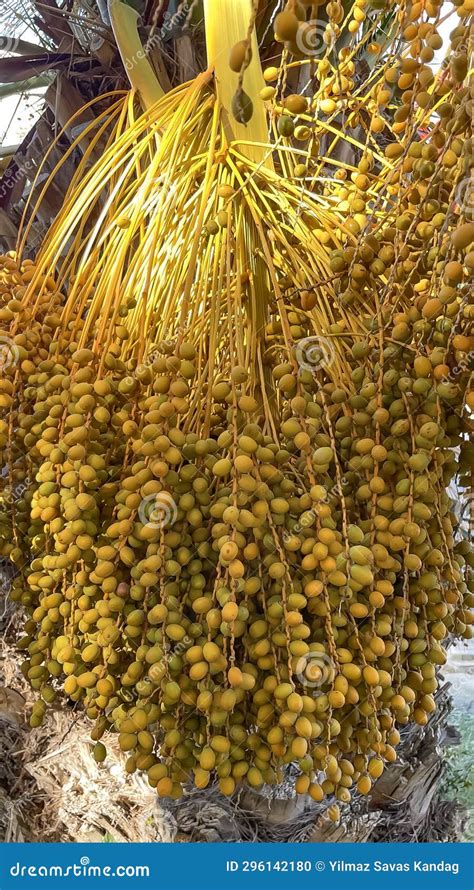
[238, 398]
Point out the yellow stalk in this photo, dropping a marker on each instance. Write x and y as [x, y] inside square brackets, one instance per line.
[227, 22]
[139, 71]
